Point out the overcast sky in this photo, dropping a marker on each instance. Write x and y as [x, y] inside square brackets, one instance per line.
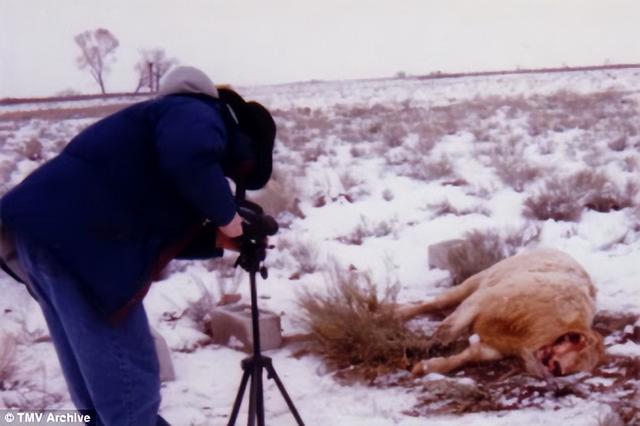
[246, 42]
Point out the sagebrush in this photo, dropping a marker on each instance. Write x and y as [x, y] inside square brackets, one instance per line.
[354, 324]
[483, 249]
[564, 199]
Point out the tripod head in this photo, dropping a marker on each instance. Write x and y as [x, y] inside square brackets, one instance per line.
[256, 228]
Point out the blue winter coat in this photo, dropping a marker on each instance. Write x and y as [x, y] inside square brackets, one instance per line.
[124, 191]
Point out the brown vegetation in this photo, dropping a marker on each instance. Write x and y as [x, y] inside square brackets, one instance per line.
[354, 324]
[564, 199]
[482, 249]
[63, 113]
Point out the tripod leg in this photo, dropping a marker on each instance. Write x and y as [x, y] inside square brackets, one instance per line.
[238, 402]
[260, 399]
[271, 373]
[253, 396]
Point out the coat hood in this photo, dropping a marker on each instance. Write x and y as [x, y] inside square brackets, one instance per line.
[185, 79]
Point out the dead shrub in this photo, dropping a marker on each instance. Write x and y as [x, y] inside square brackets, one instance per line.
[483, 249]
[24, 390]
[445, 207]
[366, 229]
[516, 173]
[305, 252]
[394, 134]
[223, 268]
[311, 151]
[281, 196]
[565, 110]
[6, 170]
[353, 324]
[199, 310]
[57, 114]
[565, 199]
[357, 236]
[438, 168]
[511, 167]
[388, 195]
[555, 201]
[618, 144]
[28, 396]
[32, 149]
[428, 169]
[7, 357]
[610, 197]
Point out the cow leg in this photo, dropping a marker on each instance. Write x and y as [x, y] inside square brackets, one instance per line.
[476, 352]
[449, 298]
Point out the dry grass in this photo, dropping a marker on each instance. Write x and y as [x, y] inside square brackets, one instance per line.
[445, 207]
[23, 396]
[509, 162]
[199, 310]
[7, 357]
[353, 324]
[483, 249]
[32, 149]
[6, 170]
[63, 113]
[428, 168]
[305, 253]
[366, 229]
[281, 196]
[609, 197]
[564, 199]
[598, 112]
[555, 201]
[16, 392]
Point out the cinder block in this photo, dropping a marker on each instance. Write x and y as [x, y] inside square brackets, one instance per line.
[235, 320]
[439, 253]
[167, 373]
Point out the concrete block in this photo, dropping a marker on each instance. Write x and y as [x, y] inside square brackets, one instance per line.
[235, 320]
[167, 373]
[439, 253]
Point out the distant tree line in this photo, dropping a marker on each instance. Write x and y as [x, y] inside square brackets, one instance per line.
[97, 53]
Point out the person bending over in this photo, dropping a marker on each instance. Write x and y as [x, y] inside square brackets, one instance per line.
[94, 225]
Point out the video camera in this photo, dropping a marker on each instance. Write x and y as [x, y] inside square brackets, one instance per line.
[256, 227]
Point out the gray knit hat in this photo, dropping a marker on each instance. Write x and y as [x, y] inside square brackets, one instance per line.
[187, 80]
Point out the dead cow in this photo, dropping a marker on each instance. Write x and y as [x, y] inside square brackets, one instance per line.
[538, 306]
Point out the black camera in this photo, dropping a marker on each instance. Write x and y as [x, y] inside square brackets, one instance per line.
[257, 225]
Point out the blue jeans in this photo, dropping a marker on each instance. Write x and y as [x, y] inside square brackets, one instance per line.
[110, 369]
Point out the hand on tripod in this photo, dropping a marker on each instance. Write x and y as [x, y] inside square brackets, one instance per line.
[250, 227]
[227, 243]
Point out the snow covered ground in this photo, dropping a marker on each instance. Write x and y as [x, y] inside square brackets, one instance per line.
[368, 174]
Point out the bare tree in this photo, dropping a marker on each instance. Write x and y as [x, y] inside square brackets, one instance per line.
[153, 64]
[97, 48]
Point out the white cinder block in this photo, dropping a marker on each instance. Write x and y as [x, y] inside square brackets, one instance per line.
[235, 320]
[439, 253]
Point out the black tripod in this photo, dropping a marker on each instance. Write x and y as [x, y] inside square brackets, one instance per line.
[256, 228]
